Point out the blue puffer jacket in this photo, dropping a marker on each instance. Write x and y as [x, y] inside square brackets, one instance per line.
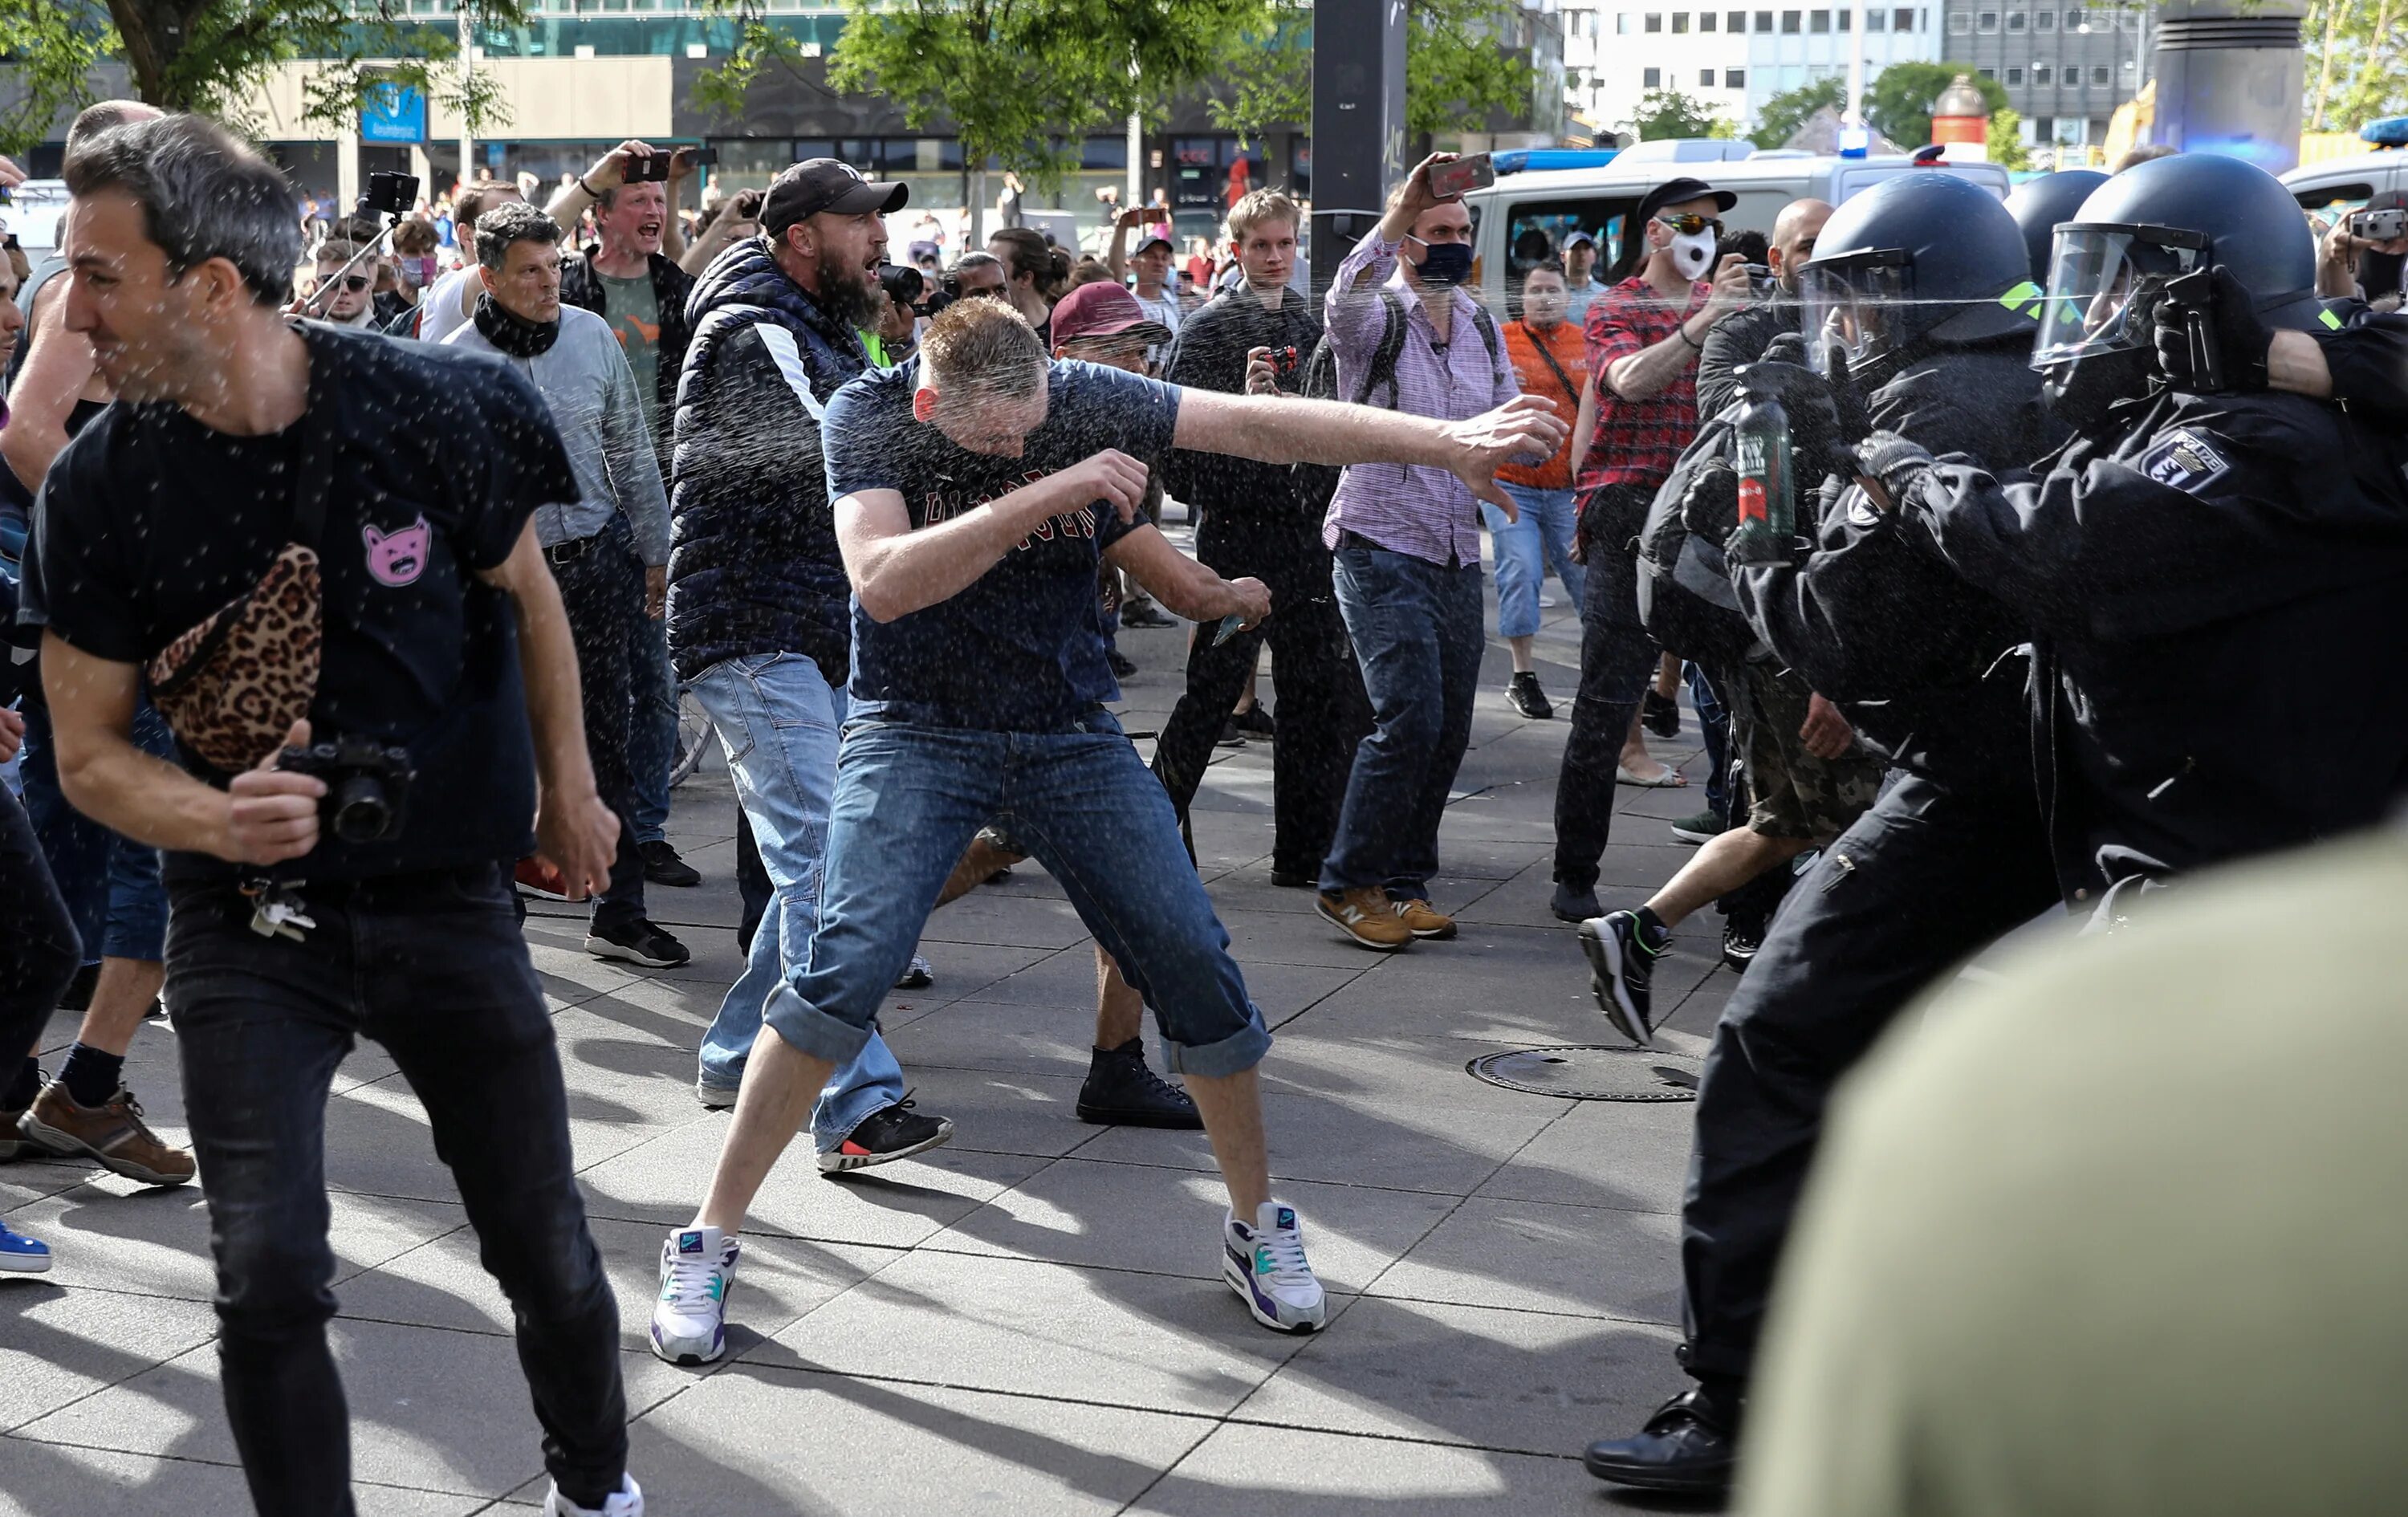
[752, 555]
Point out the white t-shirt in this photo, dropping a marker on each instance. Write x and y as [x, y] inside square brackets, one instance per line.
[443, 310]
[1165, 309]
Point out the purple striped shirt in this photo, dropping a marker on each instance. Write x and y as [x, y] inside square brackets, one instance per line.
[1425, 512]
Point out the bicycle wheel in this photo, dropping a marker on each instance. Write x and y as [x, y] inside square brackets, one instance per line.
[694, 736]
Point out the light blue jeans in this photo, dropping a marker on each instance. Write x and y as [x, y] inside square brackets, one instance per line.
[652, 724]
[1527, 549]
[777, 718]
[910, 797]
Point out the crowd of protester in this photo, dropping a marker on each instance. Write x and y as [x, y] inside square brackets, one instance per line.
[439, 520]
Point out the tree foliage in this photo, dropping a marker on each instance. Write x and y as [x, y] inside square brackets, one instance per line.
[1457, 70]
[2358, 65]
[2006, 140]
[1780, 117]
[1669, 113]
[209, 55]
[1898, 101]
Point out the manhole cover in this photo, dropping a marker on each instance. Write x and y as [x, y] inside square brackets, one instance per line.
[1593, 1072]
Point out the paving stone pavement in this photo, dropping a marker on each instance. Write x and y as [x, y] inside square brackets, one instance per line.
[1029, 1321]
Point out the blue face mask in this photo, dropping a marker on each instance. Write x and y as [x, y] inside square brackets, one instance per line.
[1445, 264]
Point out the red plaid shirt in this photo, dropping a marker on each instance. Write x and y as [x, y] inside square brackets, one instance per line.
[1637, 441]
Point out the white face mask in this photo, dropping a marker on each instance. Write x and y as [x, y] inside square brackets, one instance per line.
[1692, 254]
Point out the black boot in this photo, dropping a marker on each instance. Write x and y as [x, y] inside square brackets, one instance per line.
[1687, 1446]
[1121, 1091]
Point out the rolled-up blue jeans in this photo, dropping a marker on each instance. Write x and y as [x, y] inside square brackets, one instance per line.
[1527, 549]
[909, 796]
[777, 718]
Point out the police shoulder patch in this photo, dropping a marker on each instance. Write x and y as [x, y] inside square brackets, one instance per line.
[2184, 459]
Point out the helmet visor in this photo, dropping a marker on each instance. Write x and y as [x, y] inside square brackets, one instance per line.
[2103, 281]
[1854, 305]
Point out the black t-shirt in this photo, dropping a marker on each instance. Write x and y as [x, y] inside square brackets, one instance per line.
[150, 521]
[1022, 649]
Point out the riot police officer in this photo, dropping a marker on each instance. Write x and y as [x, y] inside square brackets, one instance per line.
[2188, 550]
[2039, 203]
[1903, 297]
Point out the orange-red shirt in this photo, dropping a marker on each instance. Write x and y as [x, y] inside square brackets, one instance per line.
[1569, 349]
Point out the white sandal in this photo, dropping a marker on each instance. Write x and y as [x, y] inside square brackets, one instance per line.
[1672, 779]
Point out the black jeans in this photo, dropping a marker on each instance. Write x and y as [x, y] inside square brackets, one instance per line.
[603, 592]
[1323, 712]
[1617, 662]
[1923, 881]
[38, 947]
[432, 967]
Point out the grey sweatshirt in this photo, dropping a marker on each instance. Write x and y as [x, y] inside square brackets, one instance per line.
[585, 380]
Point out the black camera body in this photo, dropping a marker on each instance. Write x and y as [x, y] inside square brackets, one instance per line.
[368, 786]
[390, 195]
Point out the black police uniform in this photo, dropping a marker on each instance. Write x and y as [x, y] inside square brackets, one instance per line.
[1951, 857]
[2180, 581]
[1258, 523]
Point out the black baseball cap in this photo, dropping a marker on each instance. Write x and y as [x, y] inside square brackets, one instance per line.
[1673, 191]
[827, 184]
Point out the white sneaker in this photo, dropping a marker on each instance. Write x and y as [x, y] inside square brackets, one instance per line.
[1264, 1264]
[690, 1318]
[626, 1501]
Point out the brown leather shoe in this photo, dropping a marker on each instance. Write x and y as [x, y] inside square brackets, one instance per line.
[114, 1133]
[1366, 915]
[1423, 920]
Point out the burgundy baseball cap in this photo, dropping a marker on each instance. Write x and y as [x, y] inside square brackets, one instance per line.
[1104, 309]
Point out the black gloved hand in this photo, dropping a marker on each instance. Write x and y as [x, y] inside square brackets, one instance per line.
[1711, 508]
[1848, 401]
[1893, 462]
[2241, 340]
[1789, 348]
[1818, 437]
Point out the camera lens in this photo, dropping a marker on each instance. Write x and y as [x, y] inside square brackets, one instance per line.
[361, 812]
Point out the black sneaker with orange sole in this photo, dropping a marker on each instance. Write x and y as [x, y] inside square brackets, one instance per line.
[888, 1134]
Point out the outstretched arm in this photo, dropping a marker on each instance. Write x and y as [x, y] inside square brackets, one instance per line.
[1287, 429]
[1187, 587]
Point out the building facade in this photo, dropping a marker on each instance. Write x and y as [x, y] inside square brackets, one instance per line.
[2066, 68]
[1730, 60]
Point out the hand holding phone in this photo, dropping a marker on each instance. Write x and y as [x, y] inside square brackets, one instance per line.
[1449, 180]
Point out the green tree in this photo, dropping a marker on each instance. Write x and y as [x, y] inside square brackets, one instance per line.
[2356, 66]
[2006, 140]
[1457, 71]
[1669, 113]
[1022, 82]
[1897, 102]
[1780, 117]
[208, 55]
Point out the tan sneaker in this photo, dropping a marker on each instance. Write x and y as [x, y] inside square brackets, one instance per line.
[1366, 915]
[114, 1133]
[1425, 920]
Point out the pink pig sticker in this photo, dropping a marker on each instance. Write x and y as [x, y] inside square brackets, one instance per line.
[400, 557]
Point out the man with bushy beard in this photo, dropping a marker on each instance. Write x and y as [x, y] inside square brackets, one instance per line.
[759, 606]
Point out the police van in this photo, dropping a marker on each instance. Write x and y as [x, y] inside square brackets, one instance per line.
[2339, 184]
[1534, 199]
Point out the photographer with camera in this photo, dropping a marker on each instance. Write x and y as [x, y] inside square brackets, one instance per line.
[1263, 521]
[308, 539]
[2365, 255]
[608, 546]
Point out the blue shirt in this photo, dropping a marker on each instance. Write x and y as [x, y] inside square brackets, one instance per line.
[1022, 649]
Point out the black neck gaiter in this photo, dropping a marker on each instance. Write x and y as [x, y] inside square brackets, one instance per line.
[512, 334]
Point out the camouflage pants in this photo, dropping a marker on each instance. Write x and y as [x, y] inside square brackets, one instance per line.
[1791, 792]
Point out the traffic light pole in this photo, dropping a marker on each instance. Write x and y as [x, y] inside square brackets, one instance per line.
[1358, 122]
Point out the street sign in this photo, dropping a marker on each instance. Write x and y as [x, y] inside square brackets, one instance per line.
[394, 114]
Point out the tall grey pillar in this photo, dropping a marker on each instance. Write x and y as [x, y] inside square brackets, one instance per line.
[2228, 75]
[1359, 122]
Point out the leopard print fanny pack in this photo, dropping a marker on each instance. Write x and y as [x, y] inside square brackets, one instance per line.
[232, 686]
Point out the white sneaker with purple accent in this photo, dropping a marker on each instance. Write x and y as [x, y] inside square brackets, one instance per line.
[690, 1318]
[1265, 1264]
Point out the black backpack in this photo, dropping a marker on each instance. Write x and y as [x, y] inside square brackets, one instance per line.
[1685, 600]
[1317, 482]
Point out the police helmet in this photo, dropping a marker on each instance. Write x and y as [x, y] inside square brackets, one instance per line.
[2039, 203]
[2157, 221]
[1926, 255]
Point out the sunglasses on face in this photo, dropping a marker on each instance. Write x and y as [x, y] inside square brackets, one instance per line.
[1693, 223]
[353, 282]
